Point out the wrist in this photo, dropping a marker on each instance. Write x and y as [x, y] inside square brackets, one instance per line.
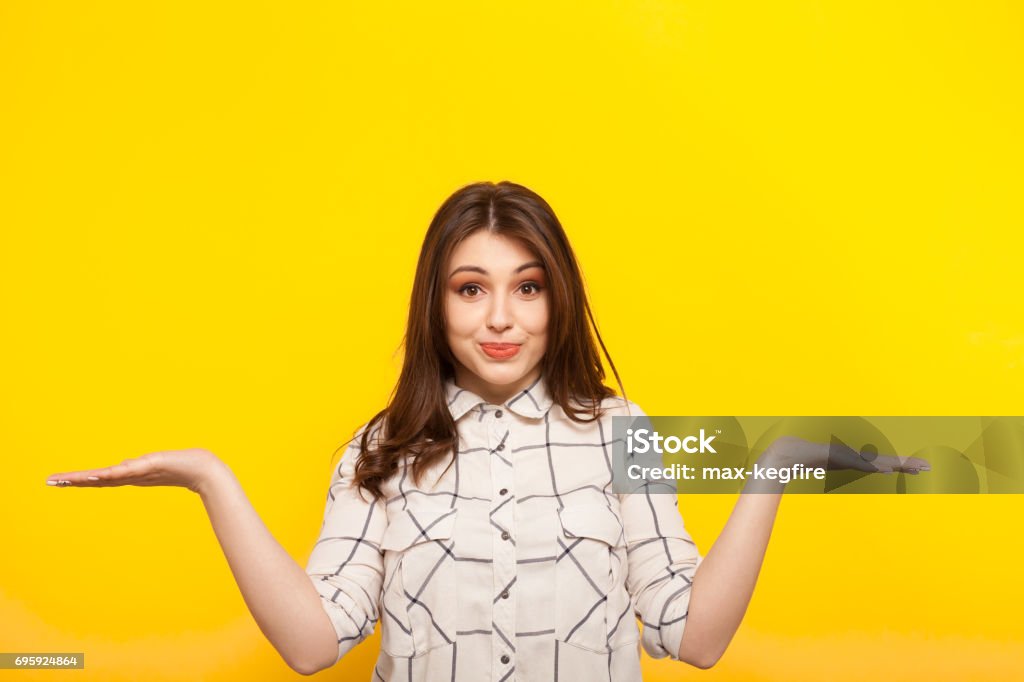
[214, 475]
[772, 458]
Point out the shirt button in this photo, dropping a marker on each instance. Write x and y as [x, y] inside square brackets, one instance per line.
[501, 446]
[505, 658]
[499, 414]
[500, 492]
[505, 535]
[504, 595]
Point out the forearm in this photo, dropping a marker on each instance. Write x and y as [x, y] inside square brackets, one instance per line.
[276, 589]
[725, 579]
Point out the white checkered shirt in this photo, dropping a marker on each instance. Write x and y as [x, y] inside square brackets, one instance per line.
[517, 563]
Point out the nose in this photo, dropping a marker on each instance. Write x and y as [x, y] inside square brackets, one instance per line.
[499, 317]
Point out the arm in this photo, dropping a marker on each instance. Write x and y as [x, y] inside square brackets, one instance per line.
[312, 617]
[346, 566]
[278, 592]
[724, 581]
[302, 624]
[662, 559]
[691, 606]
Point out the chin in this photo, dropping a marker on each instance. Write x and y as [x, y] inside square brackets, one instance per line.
[501, 378]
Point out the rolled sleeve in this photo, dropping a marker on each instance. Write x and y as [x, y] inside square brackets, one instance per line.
[663, 559]
[346, 564]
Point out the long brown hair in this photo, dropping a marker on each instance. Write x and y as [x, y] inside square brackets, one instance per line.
[417, 419]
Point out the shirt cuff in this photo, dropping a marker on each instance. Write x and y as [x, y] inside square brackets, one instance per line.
[663, 637]
[351, 625]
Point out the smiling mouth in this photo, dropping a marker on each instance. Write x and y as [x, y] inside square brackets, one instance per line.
[500, 351]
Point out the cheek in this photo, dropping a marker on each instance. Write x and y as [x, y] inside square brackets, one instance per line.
[536, 321]
[459, 318]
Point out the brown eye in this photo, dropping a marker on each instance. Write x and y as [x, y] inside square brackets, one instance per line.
[466, 287]
[531, 285]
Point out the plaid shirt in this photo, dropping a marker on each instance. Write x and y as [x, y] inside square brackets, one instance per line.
[517, 563]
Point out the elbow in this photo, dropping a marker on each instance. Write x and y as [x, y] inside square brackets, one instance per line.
[304, 667]
[311, 663]
[704, 662]
[703, 657]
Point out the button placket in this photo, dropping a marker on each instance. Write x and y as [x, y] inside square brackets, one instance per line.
[503, 523]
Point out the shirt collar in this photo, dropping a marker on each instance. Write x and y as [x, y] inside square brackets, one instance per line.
[534, 401]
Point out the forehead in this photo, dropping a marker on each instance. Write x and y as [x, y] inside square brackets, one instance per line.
[492, 252]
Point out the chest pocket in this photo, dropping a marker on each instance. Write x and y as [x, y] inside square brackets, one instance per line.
[588, 575]
[418, 602]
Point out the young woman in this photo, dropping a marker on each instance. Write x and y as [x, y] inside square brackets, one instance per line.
[474, 517]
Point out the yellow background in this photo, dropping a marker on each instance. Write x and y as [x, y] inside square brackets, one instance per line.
[211, 214]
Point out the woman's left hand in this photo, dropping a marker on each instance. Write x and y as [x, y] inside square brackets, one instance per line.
[786, 451]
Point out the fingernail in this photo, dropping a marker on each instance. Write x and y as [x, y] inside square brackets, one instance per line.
[51, 483]
[94, 478]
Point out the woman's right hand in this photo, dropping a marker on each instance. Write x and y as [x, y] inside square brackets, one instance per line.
[191, 469]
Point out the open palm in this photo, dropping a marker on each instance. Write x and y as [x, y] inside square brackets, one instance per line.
[790, 450]
[182, 468]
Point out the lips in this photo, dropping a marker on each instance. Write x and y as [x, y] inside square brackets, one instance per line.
[500, 351]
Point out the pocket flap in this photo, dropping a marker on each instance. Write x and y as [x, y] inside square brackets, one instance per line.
[412, 526]
[595, 521]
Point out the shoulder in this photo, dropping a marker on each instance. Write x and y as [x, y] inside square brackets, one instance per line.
[354, 449]
[618, 406]
[374, 433]
[612, 406]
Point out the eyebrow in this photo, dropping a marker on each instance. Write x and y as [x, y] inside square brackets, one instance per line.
[477, 268]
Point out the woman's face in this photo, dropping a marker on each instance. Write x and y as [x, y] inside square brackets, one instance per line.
[496, 307]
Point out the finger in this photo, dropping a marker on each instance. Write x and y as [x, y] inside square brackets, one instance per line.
[97, 478]
[919, 463]
[113, 475]
[124, 473]
[912, 465]
[72, 478]
[909, 465]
